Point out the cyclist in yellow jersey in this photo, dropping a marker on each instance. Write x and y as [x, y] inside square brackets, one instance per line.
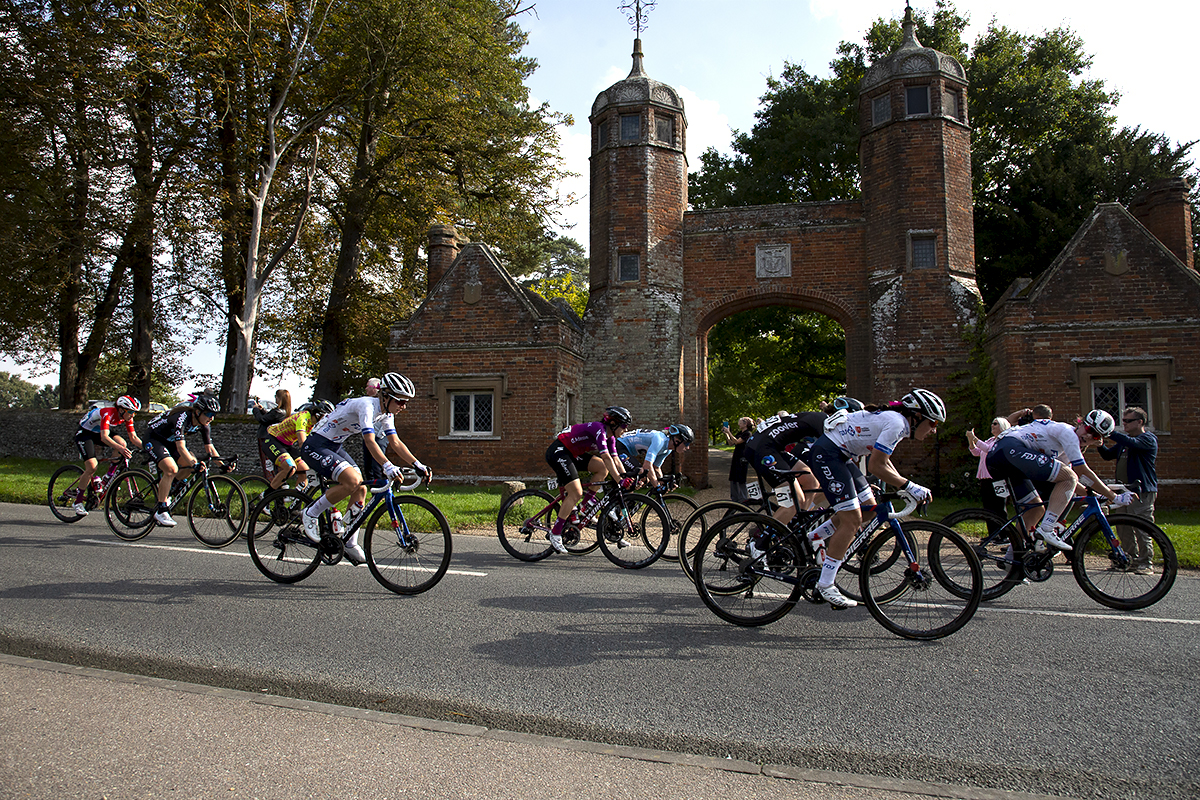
[284, 440]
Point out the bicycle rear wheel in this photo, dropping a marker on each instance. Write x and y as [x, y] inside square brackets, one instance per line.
[997, 545]
[60, 492]
[255, 486]
[1119, 585]
[633, 532]
[527, 537]
[922, 601]
[217, 511]
[129, 504]
[741, 591]
[697, 523]
[409, 554]
[278, 546]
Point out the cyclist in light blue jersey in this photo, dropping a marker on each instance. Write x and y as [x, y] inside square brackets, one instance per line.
[651, 448]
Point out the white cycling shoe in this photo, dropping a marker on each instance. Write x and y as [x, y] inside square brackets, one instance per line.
[355, 554]
[834, 597]
[312, 527]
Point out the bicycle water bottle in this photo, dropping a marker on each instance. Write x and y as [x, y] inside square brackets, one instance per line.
[97, 484]
[335, 517]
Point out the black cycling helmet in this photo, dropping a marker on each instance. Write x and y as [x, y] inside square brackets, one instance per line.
[618, 416]
[207, 404]
[847, 403]
[683, 432]
[319, 408]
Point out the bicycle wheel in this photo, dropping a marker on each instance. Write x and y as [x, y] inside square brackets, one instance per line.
[997, 545]
[129, 504]
[697, 523]
[931, 600]
[633, 532]
[409, 554]
[1119, 585]
[850, 575]
[740, 591]
[283, 553]
[678, 507]
[60, 492]
[217, 511]
[525, 536]
[255, 486]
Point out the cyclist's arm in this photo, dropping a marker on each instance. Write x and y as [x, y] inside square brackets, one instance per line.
[1097, 485]
[612, 465]
[399, 448]
[108, 441]
[880, 465]
[651, 472]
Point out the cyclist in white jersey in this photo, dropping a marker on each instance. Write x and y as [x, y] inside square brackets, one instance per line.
[324, 450]
[1045, 450]
[847, 436]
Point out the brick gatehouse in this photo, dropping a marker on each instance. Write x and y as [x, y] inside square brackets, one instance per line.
[500, 370]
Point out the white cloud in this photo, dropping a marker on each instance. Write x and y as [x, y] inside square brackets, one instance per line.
[707, 126]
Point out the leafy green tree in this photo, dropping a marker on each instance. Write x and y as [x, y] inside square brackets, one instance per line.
[770, 359]
[16, 392]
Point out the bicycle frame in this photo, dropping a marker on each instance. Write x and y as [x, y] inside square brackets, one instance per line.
[1091, 508]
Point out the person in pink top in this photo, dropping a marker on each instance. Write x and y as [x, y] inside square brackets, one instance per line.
[980, 448]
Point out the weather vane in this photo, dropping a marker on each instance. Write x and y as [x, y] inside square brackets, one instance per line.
[636, 11]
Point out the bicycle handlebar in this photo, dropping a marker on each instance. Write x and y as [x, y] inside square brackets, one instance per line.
[409, 480]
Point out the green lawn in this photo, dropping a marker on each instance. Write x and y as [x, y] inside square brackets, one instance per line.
[23, 480]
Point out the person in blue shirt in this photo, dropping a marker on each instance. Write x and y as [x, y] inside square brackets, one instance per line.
[1135, 450]
[651, 448]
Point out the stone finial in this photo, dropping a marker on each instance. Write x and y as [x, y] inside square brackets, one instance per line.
[637, 71]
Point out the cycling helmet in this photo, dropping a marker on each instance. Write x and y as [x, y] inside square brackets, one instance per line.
[618, 416]
[925, 403]
[847, 404]
[1100, 422]
[206, 404]
[319, 408]
[129, 403]
[396, 385]
[683, 432]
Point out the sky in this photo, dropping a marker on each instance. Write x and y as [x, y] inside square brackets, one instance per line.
[718, 55]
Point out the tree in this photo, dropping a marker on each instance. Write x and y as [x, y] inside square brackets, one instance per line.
[15, 392]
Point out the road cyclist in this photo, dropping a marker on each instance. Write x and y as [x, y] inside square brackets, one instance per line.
[166, 446]
[587, 447]
[97, 430]
[324, 450]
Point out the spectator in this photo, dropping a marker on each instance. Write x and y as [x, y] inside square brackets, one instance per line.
[979, 447]
[739, 491]
[265, 419]
[1135, 451]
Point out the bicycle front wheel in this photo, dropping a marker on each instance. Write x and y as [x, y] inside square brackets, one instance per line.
[1122, 585]
[524, 524]
[997, 545]
[60, 493]
[633, 532]
[678, 507]
[278, 546]
[411, 553]
[129, 504]
[217, 511]
[923, 600]
[255, 486]
[697, 523]
[741, 590]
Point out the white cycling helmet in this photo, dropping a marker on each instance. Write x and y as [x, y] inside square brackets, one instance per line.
[396, 385]
[925, 403]
[129, 403]
[1100, 421]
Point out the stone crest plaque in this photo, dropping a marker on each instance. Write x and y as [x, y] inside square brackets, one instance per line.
[773, 261]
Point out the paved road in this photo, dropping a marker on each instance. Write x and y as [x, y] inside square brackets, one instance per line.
[1046, 693]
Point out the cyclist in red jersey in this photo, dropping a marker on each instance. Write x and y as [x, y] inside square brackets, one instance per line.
[590, 446]
[94, 431]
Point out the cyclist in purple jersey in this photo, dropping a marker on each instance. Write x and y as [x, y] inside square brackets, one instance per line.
[590, 447]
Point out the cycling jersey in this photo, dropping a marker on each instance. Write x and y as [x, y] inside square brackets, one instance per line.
[174, 425]
[99, 419]
[863, 431]
[355, 415]
[287, 431]
[778, 432]
[652, 446]
[1055, 439]
[588, 437]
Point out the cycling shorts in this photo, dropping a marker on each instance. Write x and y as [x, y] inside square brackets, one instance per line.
[158, 449]
[281, 453]
[1011, 459]
[87, 443]
[329, 459]
[780, 461]
[841, 480]
[566, 466]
